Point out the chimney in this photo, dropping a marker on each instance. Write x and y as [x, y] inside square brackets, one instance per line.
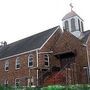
[3, 43]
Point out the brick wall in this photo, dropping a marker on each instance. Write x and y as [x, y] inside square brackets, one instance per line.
[49, 47]
[14, 73]
[24, 71]
[68, 42]
[57, 43]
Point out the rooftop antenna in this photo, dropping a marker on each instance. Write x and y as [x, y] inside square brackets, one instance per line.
[71, 6]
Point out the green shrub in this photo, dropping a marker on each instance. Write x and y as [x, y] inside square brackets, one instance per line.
[52, 87]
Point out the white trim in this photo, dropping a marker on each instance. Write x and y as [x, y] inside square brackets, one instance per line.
[85, 67]
[32, 67]
[37, 64]
[37, 56]
[28, 82]
[49, 37]
[84, 45]
[46, 52]
[19, 54]
[37, 77]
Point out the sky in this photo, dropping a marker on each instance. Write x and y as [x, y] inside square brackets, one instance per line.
[22, 18]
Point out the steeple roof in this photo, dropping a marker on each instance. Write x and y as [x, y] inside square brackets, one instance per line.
[70, 14]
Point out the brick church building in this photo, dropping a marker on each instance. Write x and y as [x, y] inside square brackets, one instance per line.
[54, 56]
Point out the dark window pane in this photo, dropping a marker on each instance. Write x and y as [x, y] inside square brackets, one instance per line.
[30, 63]
[73, 28]
[7, 68]
[79, 24]
[18, 66]
[82, 25]
[66, 25]
[46, 60]
[17, 82]
[46, 63]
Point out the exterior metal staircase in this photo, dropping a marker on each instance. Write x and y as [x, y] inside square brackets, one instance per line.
[56, 77]
[59, 77]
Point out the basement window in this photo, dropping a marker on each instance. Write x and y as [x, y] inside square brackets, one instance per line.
[6, 83]
[17, 82]
[17, 66]
[6, 65]
[30, 60]
[32, 80]
[46, 60]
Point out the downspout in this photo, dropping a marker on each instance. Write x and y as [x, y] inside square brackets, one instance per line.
[88, 63]
[37, 65]
[88, 60]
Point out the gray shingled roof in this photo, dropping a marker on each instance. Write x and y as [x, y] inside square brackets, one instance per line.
[85, 35]
[70, 14]
[27, 44]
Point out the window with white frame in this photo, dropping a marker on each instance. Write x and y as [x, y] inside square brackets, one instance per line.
[17, 66]
[17, 82]
[32, 80]
[6, 82]
[46, 60]
[6, 65]
[73, 27]
[30, 60]
[66, 25]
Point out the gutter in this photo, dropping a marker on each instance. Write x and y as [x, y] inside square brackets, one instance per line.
[19, 54]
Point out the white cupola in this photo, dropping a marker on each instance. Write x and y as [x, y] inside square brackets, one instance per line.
[73, 23]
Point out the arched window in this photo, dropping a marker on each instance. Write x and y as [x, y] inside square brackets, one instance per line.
[66, 26]
[79, 24]
[17, 63]
[6, 65]
[73, 28]
[30, 60]
[82, 25]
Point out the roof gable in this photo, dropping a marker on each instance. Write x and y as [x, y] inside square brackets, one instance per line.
[84, 36]
[26, 44]
[66, 42]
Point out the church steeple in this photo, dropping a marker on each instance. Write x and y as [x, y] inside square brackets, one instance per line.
[72, 22]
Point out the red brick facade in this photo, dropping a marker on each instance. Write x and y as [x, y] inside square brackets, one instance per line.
[69, 43]
[56, 45]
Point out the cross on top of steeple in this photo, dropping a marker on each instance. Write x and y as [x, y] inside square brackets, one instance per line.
[71, 6]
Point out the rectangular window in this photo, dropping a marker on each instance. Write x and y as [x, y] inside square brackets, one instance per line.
[30, 60]
[17, 63]
[6, 65]
[17, 82]
[46, 60]
[6, 82]
[31, 81]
